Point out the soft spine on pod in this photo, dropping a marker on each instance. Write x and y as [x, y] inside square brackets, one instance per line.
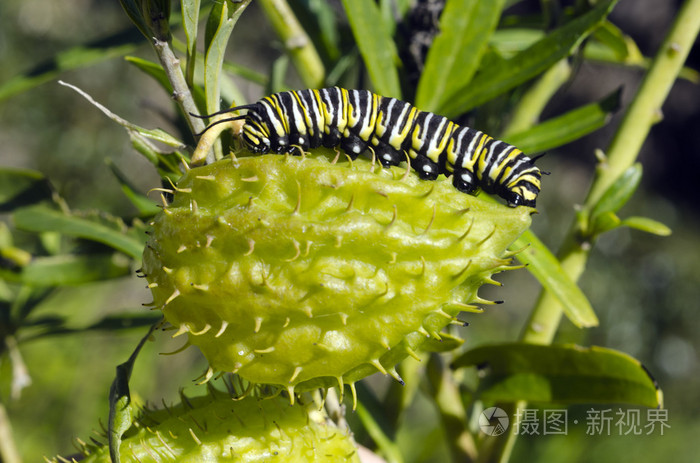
[302, 272]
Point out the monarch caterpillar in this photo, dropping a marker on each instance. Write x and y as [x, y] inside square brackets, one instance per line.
[395, 131]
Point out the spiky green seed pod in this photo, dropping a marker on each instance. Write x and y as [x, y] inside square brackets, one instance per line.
[305, 273]
[215, 428]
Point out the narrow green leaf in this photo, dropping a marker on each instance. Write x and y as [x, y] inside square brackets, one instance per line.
[278, 74]
[71, 269]
[43, 219]
[190, 23]
[143, 204]
[454, 56]
[561, 374]
[646, 224]
[6, 239]
[124, 321]
[121, 410]
[605, 222]
[376, 45]
[223, 17]
[156, 13]
[596, 51]
[155, 70]
[502, 76]
[324, 27]
[12, 257]
[81, 56]
[511, 41]
[621, 46]
[619, 192]
[152, 134]
[568, 127]
[55, 326]
[376, 423]
[508, 42]
[341, 67]
[246, 73]
[546, 268]
[152, 69]
[22, 187]
[134, 12]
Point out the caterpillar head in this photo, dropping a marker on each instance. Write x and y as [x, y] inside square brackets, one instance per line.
[256, 134]
[515, 199]
[523, 193]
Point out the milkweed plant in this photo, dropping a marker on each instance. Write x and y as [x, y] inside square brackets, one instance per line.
[329, 293]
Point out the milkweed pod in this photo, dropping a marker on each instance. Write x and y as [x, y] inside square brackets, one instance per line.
[327, 293]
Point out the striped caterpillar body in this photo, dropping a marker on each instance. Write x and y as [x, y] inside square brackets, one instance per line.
[394, 131]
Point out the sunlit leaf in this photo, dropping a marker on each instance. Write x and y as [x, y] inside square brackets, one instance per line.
[560, 374]
[605, 222]
[323, 28]
[70, 269]
[223, 17]
[504, 75]
[646, 224]
[376, 45]
[42, 219]
[546, 268]
[619, 192]
[568, 127]
[453, 58]
[190, 24]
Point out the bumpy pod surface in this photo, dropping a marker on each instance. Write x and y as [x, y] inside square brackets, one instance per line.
[216, 428]
[305, 273]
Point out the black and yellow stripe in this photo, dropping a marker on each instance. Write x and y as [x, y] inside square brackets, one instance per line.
[394, 131]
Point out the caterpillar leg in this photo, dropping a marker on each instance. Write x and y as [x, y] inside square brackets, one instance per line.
[332, 138]
[388, 155]
[353, 145]
[425, 168]
[465, 181]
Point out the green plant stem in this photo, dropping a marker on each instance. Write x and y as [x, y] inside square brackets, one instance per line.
[296, 42]
[181, 92]
[645, 110]
[453, 416]
[8, 450]
[527, 112]
[388, 447]
[622, 153]
[20, 373]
